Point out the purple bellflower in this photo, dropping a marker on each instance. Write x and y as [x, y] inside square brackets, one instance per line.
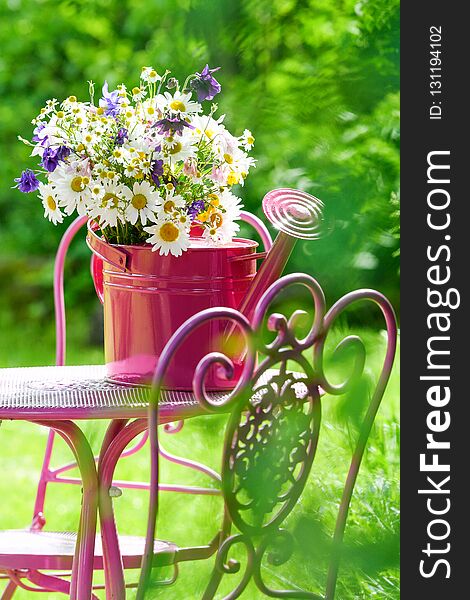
[28, 182]
[173, 126]
[50, 159]
[195, 208]
[121, 136]
[62, 153]
[205, 84]
[157, 171]
[110, 101]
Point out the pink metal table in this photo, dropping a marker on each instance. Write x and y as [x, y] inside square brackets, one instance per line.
[57, 397]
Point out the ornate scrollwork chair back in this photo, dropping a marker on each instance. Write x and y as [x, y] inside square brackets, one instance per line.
[272, 431]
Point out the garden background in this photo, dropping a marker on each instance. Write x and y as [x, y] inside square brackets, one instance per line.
[316, 81]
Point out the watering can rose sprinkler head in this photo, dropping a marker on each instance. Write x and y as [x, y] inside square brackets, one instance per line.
[296, 215]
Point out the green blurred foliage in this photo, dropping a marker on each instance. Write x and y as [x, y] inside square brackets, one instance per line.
[315, 80]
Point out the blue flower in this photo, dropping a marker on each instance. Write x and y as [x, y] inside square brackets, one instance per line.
[121, 136]
[28, 182]
[205, 85]
[110, 101]
[195, 208]
[169, 126]
[62, 153]
[49, 159]
[157, 171]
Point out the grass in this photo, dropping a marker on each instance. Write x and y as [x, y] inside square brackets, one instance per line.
[369, 568]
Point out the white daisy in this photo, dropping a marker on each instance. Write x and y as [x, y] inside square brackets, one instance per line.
[142, 202]
[180, 104]
[138, 93]
[72, 190]
[247, 139]
[169, 236]
[166, 207]
[145, 73]
[150, 110]
[180, 148]
[50, 203]
[149, 74]
[108, 207]
[89, 139]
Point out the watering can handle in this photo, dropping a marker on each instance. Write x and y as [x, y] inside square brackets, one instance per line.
[260, 228]
[102, 252]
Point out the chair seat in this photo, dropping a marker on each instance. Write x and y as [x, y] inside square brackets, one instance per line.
[83, 392]
[25, 549]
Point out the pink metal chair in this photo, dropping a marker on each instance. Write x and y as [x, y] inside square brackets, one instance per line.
[270, 442]
[41, 394]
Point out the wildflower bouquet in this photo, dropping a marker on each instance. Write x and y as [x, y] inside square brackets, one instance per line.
[146, 165]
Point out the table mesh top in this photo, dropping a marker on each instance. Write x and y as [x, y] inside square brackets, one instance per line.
[80, 392]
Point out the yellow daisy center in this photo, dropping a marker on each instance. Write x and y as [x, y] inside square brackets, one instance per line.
[77, 184]
[228, 159]
[177, 105]
[169, 232]
[139, 201]
[169, 206]
[176, 148]
[51, 203]
[110, 199]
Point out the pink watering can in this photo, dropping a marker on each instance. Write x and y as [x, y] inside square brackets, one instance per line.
[146, 297]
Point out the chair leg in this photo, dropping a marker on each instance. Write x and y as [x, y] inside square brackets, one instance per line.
[82, 571]
[9, 590]
[113, 568]
[217, 574]
[213, 585]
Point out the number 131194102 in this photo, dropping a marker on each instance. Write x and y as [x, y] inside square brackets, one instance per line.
[435, 71]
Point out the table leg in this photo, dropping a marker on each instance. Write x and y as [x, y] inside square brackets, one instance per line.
[82, 571]
[109, 456]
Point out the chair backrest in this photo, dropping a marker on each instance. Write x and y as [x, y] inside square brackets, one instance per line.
[273, 428]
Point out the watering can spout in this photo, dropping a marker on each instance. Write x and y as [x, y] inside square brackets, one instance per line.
[297, 215]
